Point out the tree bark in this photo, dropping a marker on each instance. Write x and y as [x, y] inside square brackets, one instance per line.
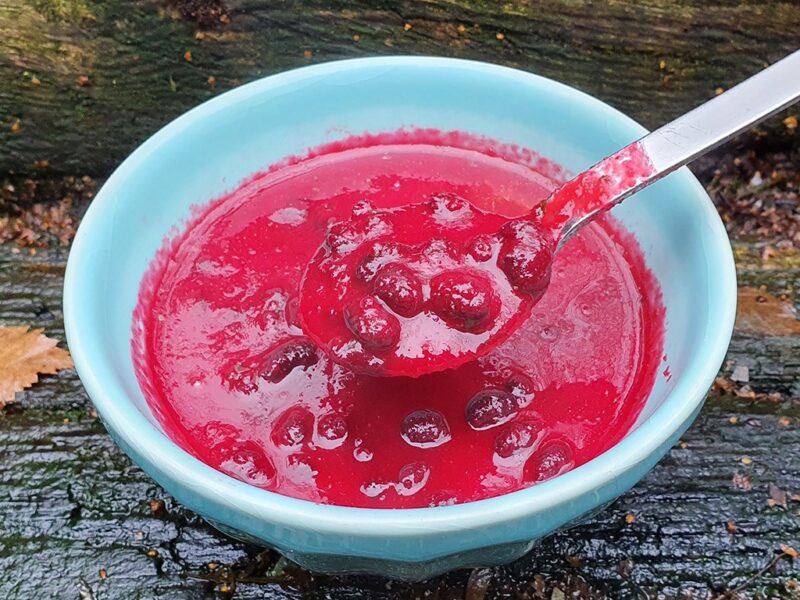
[112, 72]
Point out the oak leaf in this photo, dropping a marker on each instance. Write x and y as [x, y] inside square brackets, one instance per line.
[23, 355]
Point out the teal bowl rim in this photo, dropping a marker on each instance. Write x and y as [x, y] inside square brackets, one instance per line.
[133, 429]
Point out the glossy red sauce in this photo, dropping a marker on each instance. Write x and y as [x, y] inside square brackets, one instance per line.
[232, 377]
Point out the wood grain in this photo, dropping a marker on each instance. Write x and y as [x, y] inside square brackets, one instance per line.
[652, 58]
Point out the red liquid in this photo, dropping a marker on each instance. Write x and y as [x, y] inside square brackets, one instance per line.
[435, 301]
[232, 377]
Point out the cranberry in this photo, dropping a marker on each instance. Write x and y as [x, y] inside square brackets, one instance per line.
[345, 236]
[399, 288]
[297, 352]
[425, 429]
[489, 408]
[361, 452]
[464, 300]
[352, 353]
[331, 430]
[526, 256]
[250, 463]
[371, 324]
[291, 312]
[450, 207]
[553, 459]
[412, 478]
[373, 489]
[439, 252]
[214, 434]
[481, 248]
[292, 427]
[521, 387]
[243, 459]
[380, 254]
[514, 439]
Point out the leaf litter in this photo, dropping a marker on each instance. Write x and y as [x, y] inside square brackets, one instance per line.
[24, 354]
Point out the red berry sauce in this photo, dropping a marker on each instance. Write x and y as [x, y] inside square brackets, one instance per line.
[459, 284]
[231, 375]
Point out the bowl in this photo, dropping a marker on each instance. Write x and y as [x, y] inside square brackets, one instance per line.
[210, 149]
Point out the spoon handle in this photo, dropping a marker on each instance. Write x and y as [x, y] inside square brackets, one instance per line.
[673, 145]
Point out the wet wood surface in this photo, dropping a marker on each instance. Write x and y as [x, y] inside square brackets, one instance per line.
[78, 520]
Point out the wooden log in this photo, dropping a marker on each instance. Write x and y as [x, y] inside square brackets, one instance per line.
[75, 513]
[85, 81]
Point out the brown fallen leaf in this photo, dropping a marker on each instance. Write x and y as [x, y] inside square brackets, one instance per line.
[23, 355]
[788, 551]
[743, 482]
[777, 497]
[745, 392]
[760, 313]
[730, 526]
[724, 385]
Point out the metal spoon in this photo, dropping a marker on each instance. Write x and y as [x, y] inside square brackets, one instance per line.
[672, 146]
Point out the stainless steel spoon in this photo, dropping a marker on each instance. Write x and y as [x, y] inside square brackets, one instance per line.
[673, 145]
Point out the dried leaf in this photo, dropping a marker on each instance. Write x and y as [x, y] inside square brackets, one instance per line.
[760, 313]
[576, 562]
[746, 460]
[724, 385]
[23, 355]
[777, 495]
[788, 551]
[630, 518]
[743, 482]
[731, 527]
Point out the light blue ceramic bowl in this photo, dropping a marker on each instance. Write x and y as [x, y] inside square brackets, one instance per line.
[211, 148]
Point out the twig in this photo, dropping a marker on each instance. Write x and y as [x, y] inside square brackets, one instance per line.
[741, 587]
